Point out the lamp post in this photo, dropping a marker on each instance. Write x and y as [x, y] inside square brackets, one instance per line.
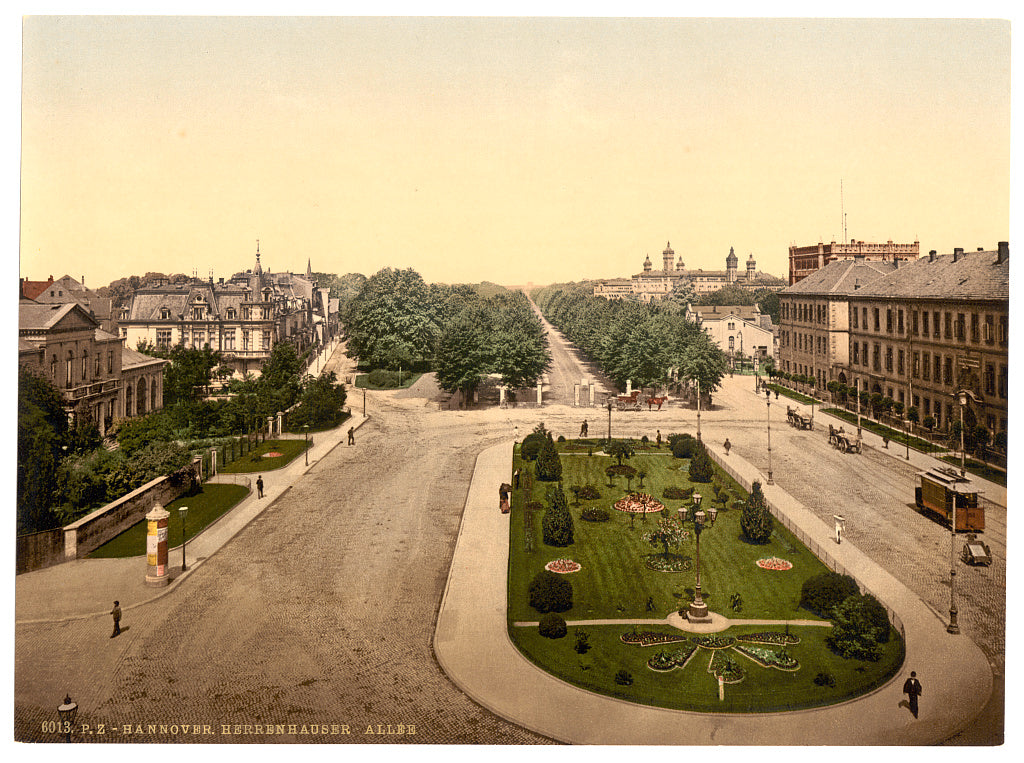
[698, 410]
[962, 396]
[768, 400]
[67, 713]
[856, 383]
[305, 432]
[698, 611]
[609, 422]
[364, 402]
[183, 513]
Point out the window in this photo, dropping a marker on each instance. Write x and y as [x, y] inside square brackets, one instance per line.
[69, 369]
[948, 321]
[878, 325]
[899, 363]
[1003, 381]
[990, 379]
[163, 338]
[85, 365]
[915, 365]
[864, 318]
[924, 324]
[899, 321]
[229, 340]
[947, 371]
[245, 340]
[926, 366]
[231, 313]
[913, 322]
[888, 321]
[731, 327]
[864, 353]
[856, 353]
[1003, 329]
[938, 368]
[266, 340]
[876, 357]
[110, 361]
[989, 330]
[975, 328]
[888, 359]
[197, 313]
[165, 314]
[961, 327]
[97, 368]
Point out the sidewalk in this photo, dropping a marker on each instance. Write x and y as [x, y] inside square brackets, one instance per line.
[473, 648]
[88, 587]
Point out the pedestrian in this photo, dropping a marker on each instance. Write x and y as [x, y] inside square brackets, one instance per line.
[259, 486]
[727, 446]
[583, 429]
[515, 479]
[351, 435]
[776, 394]
[116, 612]
[912, 688]
[657, 440]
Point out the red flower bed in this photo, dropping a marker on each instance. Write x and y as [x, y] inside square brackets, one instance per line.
[563, 566]
[774, 563]
[639, 503]
[272, 454]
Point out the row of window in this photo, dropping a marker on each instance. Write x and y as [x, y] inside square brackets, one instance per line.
[197, 339]
[83, 363]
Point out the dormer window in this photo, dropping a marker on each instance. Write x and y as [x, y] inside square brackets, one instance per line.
[165, 313]
[231, 313]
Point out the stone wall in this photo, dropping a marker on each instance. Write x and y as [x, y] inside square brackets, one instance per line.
[38, 550]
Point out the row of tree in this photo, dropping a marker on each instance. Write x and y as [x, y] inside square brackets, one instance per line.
[643, 343]
[462, 332]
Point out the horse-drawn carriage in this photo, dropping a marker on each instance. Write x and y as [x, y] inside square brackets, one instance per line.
[630, 402]
[797, 419]
[839, 439]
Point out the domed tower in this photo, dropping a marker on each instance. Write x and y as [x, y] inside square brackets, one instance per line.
[647, 264]
[751, 268]
[680, 265]
[667, 257]
[730, 266]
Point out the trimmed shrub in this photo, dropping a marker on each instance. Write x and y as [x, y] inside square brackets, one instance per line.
[550, 592]
[532, 443]
[674, 493]
[825, 679]
[552, 626]
[756, 522]
[549, 466]
[589, 492]
[879, 617]
[822, 593]
[855, 634]
[682, 445]
[624, 678]
[594, 515]
[701, 467]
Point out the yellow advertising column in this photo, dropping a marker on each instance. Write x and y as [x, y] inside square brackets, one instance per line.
[156, 547]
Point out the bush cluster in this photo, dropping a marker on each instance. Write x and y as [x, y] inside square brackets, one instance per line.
[677, 493]
[557, 525]
[595, 515]
[552, 626]
[548, 467]
[822, 593]
[589, 493]
[380, 377]
[756, 522]
[825, 679]
[859, 628]
[682, 445]
[701, 467]
[550, 592]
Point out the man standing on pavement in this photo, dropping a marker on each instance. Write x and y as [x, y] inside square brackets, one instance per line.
[912, 687]
[116, 612]
[583, 429]
[259, 486]
[351, 435]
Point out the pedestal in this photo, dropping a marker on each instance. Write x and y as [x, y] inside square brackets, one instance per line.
[698, 613]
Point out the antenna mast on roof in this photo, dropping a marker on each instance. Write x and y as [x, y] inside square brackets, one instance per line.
[842, 208]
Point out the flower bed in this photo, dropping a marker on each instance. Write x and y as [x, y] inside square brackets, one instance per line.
[774, 563]
[768, 658]
[650, 638]
[639, 503]
[769, 637]
[272, 454]
[663, 662]
[714, 642]
[563, 566]
[672, 563]
[726, 667]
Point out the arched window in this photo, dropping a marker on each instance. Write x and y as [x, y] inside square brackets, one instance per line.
[53, 368]
[141, 397]
[129, 409]
[69, 369]
[152, 395]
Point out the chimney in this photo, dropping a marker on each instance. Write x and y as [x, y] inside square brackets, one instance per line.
[958, 252]
[931, 255]
[1004, 252]
[981, 249]
[83, 280]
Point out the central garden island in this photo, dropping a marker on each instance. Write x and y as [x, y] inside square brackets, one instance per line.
[602, 570]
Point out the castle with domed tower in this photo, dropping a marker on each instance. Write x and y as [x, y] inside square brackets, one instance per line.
[653, 284]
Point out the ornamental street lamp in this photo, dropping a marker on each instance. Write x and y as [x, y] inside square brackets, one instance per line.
[305, 431]
[609, 422]
[67, 713]
[768, 400]
[963, 396]
[698, 611]
[698, 410]
[183, 512]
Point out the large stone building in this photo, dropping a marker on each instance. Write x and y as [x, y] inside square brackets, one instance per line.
[741, 331]
[66, 289]
[651, 284]
[242, 318]
[99, 379]
[804, 260]
[916, 332]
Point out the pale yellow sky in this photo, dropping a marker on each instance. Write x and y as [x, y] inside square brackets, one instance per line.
[508, 150]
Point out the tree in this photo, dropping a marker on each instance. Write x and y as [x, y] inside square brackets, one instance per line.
[670, 532]
[822, 593]
[619, 449]
[756, 521]
[187, 376]
[730, 294]
[912, 414]
[42, 435]
[321, 404]
[701, 360]
[549, 465]
[462, 353]
[855, 632]
[557, 525]
[550, 592]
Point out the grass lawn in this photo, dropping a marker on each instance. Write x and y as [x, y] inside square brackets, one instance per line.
[692, 687]
[211, 502]
[894, 435]
[792, 394]
[985, 471]
[615, 583]
[407, 381]
[257, 462]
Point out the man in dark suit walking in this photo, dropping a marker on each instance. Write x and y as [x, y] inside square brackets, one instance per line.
[116, 613]
[912, 688]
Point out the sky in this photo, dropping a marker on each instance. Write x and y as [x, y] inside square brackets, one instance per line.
[512, 150]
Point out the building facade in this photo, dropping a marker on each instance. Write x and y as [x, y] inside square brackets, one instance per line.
[917, 333]
[98, 378]
[66, 289]
[804, 260]
[243, 318]
[651, 284]
[739, 330]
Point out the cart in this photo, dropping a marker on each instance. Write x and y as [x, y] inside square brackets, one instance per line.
[976, 552]
[942, 490]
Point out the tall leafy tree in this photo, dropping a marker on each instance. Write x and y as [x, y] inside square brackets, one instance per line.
[463, 353]
[42, 435]
[756, 521]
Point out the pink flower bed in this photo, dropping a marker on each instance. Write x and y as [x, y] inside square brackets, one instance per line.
[639, 503]
[563, 566]
[774, 563]
[272, 454]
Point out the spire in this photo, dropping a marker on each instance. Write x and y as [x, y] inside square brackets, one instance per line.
[259, 268]
[309, 269]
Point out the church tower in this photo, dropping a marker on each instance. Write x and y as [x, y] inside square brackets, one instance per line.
[647, 264]
[730, 266]
[751, 268]
[667, 257]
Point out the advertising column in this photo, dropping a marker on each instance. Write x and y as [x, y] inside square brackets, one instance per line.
[156, 547]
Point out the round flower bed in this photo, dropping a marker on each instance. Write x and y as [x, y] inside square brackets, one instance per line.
[563, 566]
[774, 563]
[272, 454]
[639, 503]
[714, 642]
[672, 563]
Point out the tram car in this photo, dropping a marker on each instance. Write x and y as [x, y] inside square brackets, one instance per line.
[941, 489]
